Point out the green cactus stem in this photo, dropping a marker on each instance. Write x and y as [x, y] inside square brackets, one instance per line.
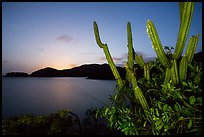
[156, 44]
[137, 91]
[146, 71]
[191, 48]
[130, 51]
[186, 13]
[96, 32]
[108, 56]
[183, 69]
[139, 59]
[167, 76]
[174, 72]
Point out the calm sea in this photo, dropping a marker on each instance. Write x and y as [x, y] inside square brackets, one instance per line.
[48, 95]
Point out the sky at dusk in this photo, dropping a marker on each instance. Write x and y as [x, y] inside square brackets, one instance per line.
[60, 35]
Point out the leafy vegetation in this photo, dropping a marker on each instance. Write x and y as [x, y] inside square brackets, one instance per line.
[168, 99]
[60, 123]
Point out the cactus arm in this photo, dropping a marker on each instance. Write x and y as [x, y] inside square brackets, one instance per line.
[108, 56]
[112, 66]
[181, 5]
[130, 62]
[191, 48]
[96, 32]
[186, 13]
[151, 30]
[130, 47]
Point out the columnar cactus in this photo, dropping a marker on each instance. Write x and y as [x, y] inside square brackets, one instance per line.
[186, 12]
[176, 71]
[129, 69]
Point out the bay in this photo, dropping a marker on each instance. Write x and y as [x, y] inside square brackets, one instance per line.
[43, 96]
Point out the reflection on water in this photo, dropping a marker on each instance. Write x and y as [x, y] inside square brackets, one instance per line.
[48, 95]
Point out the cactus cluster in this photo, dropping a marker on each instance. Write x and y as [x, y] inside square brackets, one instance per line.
[176, 69]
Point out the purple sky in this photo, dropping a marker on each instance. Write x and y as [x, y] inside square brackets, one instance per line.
[60, 35]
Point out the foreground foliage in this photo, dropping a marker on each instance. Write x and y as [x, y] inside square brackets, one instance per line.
[168, 99]
[60, 123]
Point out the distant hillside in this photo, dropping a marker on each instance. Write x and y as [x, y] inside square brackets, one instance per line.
[46, 72]
[90, 71]
[16, 74]
[198, 57]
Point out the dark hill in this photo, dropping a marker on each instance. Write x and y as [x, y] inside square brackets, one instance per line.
[91, 71]
[16, 74]
[46, 72]
[198, 57]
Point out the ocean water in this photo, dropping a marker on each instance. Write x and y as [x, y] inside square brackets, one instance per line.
[43, 96]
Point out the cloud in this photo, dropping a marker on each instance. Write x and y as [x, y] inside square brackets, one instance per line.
[5, 61]
[115, 59]
[123, 58]
[65, 38]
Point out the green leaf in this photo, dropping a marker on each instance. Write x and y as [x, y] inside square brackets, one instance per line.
[157, 112]
[160, 126]
[159, 105]
[158, 123]
[181, 118]
[190, 123]
[106, 111]
[192, 100]
[199, 100]
[144, 125]
[166, 107]
[166, 128]
[197, 78]
[176, 107]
